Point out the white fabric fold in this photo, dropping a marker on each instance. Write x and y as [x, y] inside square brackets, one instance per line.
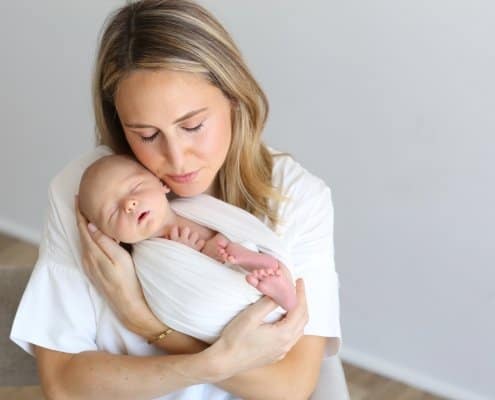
[191, 292]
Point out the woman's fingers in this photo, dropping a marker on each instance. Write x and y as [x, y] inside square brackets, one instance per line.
[89, 261]
[109, 246]
[100, 252]
[259, 310]
[292, 325]
[111, 270]
[256, 343]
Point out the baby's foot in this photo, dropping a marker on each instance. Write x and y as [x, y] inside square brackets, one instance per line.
[235, 253]
[275, 284]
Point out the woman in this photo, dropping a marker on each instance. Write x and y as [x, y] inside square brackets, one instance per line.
[171, 88]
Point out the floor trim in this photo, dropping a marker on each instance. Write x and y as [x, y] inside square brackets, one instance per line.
[21, 232]
[407, 376]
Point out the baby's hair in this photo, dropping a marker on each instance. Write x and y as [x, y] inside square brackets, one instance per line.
[85, 186]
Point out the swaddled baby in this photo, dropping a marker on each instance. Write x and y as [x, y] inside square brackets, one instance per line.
[129, 204]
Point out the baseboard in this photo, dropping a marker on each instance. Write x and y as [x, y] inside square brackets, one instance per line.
[19, 231]
[407, 376]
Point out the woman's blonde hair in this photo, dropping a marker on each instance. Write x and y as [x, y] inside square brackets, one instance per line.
[181, 35]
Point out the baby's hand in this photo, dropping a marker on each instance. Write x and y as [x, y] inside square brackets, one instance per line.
[185, 236]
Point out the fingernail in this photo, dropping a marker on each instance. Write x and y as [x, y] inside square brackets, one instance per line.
[92, 227]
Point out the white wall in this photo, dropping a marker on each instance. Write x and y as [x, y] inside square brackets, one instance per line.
[47, 52]
[391, 102]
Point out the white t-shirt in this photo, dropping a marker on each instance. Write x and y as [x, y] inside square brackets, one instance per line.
[61, 310]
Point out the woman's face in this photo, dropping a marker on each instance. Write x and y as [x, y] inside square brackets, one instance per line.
[178, 125]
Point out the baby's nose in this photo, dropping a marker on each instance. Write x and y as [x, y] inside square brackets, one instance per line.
[130, 205]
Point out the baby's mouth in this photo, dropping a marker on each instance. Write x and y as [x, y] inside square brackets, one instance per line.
[142, 216]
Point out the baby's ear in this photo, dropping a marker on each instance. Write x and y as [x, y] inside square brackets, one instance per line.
[165, 187]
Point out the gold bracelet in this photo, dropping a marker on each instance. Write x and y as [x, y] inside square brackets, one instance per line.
[160, 336]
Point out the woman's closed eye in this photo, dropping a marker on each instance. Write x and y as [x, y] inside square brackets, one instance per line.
[193, 128]
[150, 138]
[154, 135]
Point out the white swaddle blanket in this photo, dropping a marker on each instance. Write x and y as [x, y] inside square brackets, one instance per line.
[188, 290]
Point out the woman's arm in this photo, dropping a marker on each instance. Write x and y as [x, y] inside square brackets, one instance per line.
[295, 377]
[300, 367]
[100, 375]
[244, 345]
[309, 218]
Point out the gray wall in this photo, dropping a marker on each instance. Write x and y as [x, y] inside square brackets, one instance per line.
[391, 102]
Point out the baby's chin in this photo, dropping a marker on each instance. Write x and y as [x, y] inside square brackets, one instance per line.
[189, 190]
[125, 239]
[129, 240]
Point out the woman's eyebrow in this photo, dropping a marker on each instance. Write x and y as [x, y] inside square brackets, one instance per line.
[189, 115]
[178, 120]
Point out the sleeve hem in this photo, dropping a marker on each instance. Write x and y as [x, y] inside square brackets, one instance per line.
[27, 345]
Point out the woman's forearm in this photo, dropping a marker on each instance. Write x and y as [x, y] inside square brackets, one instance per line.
[100, 375]
[149, 327]
[293, 378]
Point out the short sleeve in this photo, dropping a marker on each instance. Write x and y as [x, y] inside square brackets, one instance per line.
[307, 226]
[313, 258]
[56, 310]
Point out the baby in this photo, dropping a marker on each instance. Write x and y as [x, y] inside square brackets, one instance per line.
[129, 204]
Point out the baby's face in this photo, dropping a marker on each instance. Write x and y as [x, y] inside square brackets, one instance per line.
[127, 202]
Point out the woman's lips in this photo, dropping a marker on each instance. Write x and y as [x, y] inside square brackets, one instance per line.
[189, 177]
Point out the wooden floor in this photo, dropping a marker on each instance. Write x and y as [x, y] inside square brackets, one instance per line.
[363, 385]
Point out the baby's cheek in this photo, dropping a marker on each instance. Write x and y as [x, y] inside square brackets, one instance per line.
[119, 230]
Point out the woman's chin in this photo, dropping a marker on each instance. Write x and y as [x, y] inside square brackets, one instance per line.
[190, 190]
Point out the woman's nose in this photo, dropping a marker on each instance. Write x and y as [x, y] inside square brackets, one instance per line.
[174, 151]
[130, 205]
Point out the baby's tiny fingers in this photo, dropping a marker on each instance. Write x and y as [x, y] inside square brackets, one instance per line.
[185, 233]
[174, 233]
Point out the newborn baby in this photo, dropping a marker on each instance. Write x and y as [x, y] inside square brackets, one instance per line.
[129, 204]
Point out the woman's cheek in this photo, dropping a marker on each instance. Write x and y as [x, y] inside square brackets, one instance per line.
[147, 154]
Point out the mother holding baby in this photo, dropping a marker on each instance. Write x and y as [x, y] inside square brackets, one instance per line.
[171, 89]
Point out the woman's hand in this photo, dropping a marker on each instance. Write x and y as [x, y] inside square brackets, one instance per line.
[111, 270]
[247, 342]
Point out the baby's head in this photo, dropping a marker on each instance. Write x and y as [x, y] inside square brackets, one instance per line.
[123, 199]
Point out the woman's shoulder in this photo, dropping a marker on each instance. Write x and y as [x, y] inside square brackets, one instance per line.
[68, 178]
[305, 193]
[292, 179]
[60, 241]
